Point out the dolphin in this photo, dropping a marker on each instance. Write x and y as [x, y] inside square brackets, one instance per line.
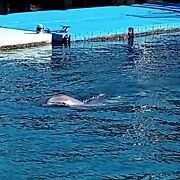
[63, 100]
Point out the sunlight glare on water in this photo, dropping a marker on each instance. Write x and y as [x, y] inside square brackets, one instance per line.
[132, 133]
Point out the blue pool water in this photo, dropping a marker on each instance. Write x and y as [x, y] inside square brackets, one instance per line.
[132, 134]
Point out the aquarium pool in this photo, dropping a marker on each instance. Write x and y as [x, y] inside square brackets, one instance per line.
[132, 134]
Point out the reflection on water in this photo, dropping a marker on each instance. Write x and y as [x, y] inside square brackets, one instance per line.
[132, 134]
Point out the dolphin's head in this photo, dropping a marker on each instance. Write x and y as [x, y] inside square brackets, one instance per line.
[63, 100]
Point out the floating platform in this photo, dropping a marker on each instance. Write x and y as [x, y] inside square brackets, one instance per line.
[15, 39]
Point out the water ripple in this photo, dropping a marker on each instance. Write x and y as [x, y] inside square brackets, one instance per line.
[132, 134]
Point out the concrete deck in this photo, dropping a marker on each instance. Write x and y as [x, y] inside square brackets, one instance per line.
[13, 38]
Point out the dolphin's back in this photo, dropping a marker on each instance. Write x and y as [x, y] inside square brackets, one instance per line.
[63, 100]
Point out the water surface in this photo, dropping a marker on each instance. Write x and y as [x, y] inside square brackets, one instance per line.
[132, 134]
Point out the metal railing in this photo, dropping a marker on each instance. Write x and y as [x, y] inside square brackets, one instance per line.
[156, 28]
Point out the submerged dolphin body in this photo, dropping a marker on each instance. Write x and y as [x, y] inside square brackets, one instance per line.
[63, 100]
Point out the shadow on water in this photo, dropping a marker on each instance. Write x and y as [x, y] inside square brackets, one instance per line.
[60, 57]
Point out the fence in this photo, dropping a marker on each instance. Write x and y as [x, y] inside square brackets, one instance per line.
[139, 30]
